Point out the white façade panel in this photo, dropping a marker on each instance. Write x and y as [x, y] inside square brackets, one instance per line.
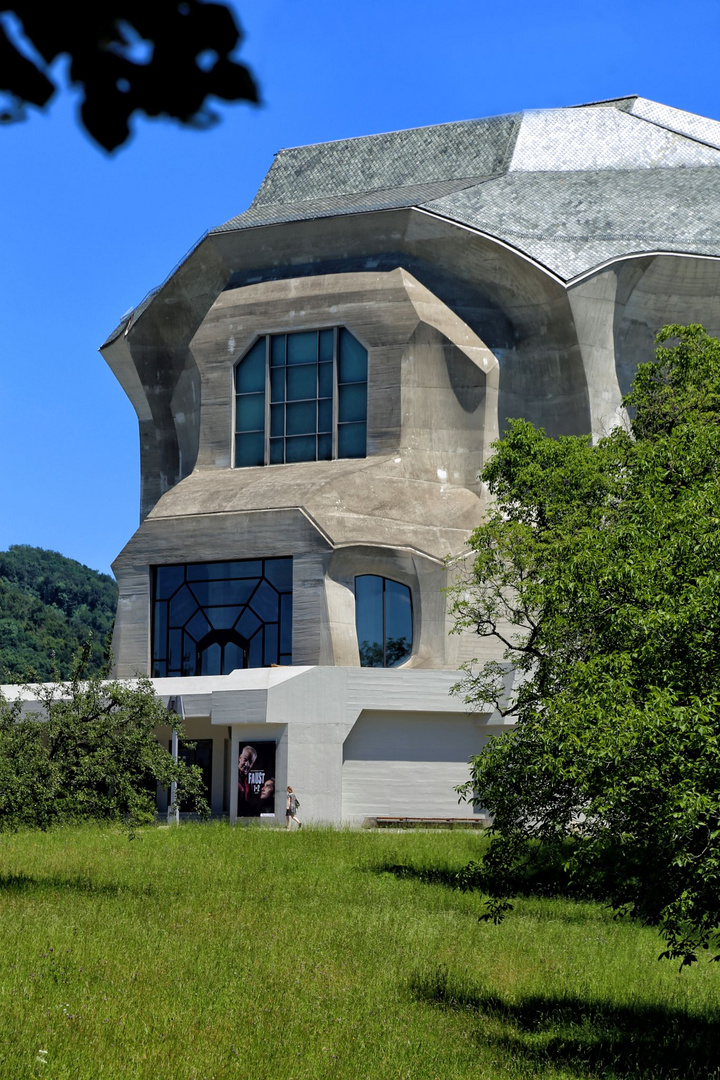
[408, 764]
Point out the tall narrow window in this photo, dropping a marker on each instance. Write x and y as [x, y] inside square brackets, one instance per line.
[383, 617]
[301, 397]
[211, 618]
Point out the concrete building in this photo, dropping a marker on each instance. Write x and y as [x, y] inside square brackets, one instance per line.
[317, 386]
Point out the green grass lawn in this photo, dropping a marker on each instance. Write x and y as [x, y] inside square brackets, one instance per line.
[210, 952]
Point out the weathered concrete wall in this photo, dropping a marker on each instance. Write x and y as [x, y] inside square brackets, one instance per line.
[462, 332]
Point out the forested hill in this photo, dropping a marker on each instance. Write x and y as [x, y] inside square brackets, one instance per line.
[49, 606]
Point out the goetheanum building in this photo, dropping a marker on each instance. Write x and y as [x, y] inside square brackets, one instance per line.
[318, 385]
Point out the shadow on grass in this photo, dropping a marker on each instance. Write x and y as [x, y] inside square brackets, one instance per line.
[589, 1037]
[24, 883]
[430, 876]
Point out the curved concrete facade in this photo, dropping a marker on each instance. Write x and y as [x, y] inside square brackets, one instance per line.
[512, 267]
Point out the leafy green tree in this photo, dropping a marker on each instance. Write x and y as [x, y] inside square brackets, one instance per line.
[49, 607]
[87, 751]
[598, 569]
[163, 58]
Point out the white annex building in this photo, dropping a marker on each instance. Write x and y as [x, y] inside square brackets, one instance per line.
[317, 386]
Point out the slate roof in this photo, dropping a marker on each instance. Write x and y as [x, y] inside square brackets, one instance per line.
[571, 188]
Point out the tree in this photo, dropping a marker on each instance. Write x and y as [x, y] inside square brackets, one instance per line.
[164, 58]
[49, 606]
[598, 569]
[88, 752]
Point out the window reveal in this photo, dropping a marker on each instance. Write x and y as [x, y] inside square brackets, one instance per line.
[301, 397]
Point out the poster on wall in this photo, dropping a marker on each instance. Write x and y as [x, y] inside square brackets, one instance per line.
[256, 779]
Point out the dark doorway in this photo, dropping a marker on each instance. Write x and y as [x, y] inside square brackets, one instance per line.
[200, 754]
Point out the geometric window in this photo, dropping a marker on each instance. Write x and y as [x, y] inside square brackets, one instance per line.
[301, 397]
[383, 616]
[211, 618]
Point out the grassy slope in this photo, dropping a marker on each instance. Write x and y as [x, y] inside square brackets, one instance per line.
[211, 952]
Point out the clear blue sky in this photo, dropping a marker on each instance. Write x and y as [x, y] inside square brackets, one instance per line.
[85, 236]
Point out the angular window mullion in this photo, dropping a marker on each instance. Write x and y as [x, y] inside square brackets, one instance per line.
[384, 630]
[267, 399]
[336, 339]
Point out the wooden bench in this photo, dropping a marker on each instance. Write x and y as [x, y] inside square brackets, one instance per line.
[426, 823]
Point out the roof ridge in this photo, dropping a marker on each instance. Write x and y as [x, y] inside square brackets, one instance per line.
[401, 131]
[675, 131]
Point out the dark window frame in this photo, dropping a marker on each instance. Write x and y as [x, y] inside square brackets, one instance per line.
[269, 642]
[272, 443]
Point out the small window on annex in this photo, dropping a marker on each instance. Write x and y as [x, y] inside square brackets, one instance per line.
[301, 397]
[383, 616]
[211, 618]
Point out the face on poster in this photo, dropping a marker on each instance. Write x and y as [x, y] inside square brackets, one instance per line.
[256, 779]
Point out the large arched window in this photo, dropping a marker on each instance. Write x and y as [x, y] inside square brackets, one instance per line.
[301, 397]
[211, 618]
[383, 616]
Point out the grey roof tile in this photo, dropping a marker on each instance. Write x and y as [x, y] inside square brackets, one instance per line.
[571, 188]
[398, 159]
[357, 203]
[571, 222]
[685, 123]
[601, 138]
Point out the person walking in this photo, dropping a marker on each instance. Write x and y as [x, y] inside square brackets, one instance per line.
[291, 808]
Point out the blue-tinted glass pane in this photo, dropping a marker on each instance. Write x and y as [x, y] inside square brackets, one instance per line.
[352, 440]
[398, 623]
[250, 372]
[250, 415]
[182, 607]
[160, 628]
[302, 382]
[300, 449]
[198, 627]
[175, 650]
[353, 359]
[221, 618]
[324, 447]
[279, 573]
[167, 580]
[277, 384]
[352, 402]
[249, 450]
[277, 350]
[224, 593]
[210, 660]
[326, 344]
[248, 624]
[248, 568]
[369, 619]
[232, 657]
[265, 602]
[277, 419]
[270, 651]
[325, 380]
[189, 656]
[221, 571]
[286, 623]
[159, 669]
[277, 448]
[255, 653]
[302, 348]
[324, 416]
[301, 419]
